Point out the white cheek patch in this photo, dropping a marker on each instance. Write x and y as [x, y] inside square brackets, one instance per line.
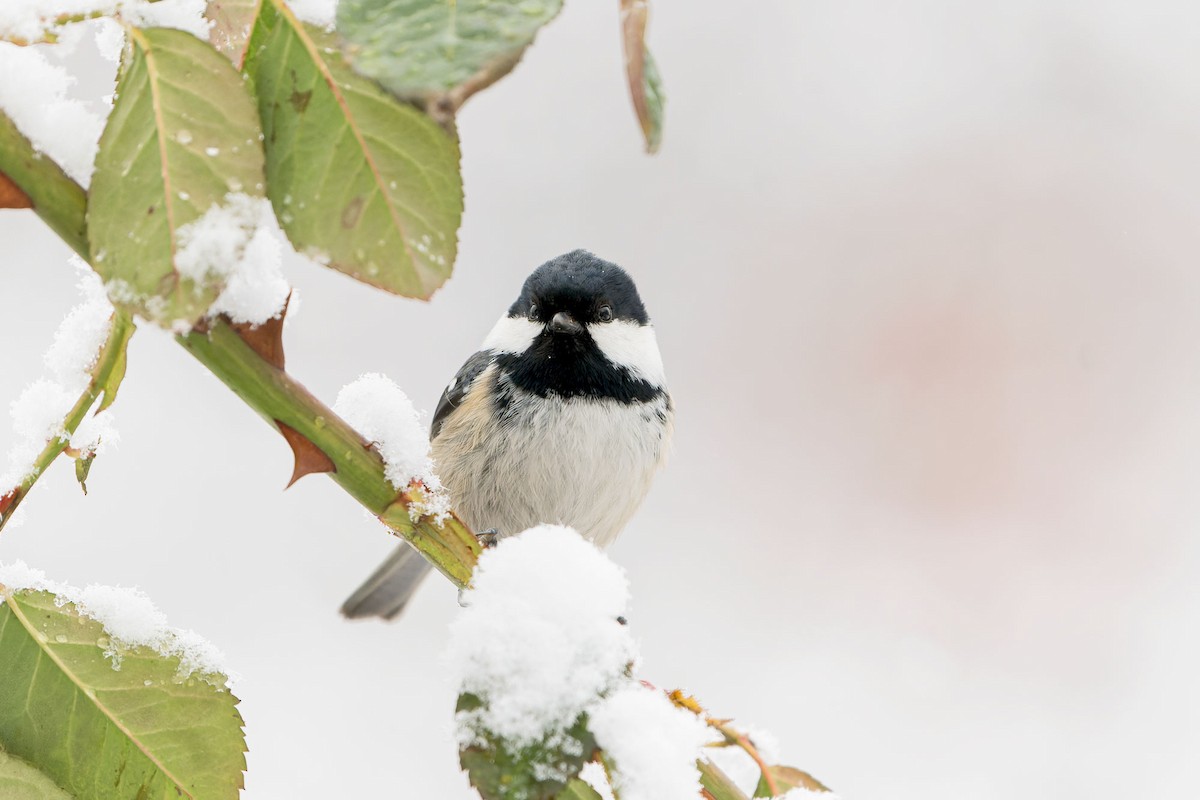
[512, 335]
[632, 346]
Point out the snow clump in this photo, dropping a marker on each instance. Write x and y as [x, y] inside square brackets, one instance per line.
[541, 641]
[382, 413]
[129, 618]
[39, 411]
[239, 242]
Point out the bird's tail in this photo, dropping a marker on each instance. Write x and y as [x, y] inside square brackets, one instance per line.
[389, 588]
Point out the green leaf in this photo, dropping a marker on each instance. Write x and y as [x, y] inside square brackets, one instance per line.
[83, 465]
[110, 734]
[717, 782]
[360, 181]
[232, 21]
[20, 781]
[114, 359]
[421, 49]
[645, 85]
[787, 778]
[578, 790]
[540, 771]
[183, 133]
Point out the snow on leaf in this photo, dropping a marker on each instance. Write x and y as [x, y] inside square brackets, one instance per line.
[232, 21]
[101, 664]
[653, 746]
[29, 21]
[536, 648]
[183, 139]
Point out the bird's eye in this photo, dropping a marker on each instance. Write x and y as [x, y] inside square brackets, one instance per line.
[533, 310]
[604, 314]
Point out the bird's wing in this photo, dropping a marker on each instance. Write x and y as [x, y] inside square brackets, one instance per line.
[453, 396]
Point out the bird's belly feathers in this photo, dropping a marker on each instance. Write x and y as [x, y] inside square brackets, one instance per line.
[581, 462]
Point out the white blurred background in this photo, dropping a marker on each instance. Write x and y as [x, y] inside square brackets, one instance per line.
[925, 277]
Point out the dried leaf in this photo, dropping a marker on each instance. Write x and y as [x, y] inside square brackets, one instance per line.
[786, 779]
[645, 86]
[686, 701]
[11, 195]
[309, 457]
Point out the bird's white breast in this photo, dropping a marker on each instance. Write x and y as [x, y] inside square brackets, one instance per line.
[581, 461]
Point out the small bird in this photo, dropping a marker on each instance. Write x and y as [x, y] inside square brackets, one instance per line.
[562, 417]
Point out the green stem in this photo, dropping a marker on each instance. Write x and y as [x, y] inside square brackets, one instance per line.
[58, 200]
[717, 783]
[105, 374]
[271, 392]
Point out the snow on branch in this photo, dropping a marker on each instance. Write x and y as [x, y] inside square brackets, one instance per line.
[382, 413]
[39, 412]
[38, 104]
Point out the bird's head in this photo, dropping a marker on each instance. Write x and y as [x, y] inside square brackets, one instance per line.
[579, 322]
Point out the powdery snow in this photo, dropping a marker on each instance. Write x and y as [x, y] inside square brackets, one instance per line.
[186, 15]
[35, 20]
[318, 12]
[129, 618]
[38, 105]
[652, 745]
[237, 241]
[540, 643]
[380, 410]
[38, 413]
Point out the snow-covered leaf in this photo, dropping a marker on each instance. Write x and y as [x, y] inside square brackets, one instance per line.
[786, 779]
[423, 49]
[645, 86]
[540, 771]
[232, 22]
[183, 137]
[147, 729]
[360, 181]
[83, 465]
[21, 781]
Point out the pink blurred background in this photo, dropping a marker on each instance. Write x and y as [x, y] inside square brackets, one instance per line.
[925, 280]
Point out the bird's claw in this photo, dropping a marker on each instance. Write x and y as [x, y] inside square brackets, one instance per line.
[488, 538]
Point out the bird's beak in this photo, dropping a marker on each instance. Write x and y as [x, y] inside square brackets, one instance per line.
[565, 323]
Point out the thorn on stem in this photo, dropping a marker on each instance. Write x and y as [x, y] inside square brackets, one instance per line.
[309, 457]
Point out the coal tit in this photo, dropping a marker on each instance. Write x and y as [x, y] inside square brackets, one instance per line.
[563, 416]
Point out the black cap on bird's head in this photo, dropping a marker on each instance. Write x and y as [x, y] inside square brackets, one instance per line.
[578, 289]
